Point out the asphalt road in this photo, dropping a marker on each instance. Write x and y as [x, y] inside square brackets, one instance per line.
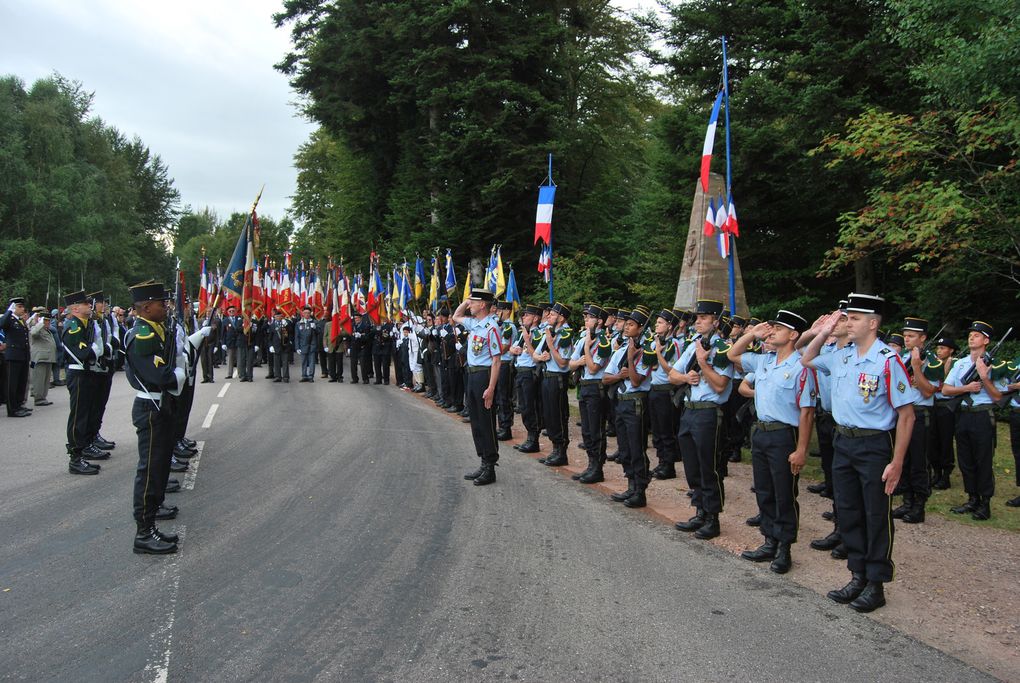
[329, 535]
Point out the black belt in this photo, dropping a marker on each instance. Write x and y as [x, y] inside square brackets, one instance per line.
[588, 382]
[479, 368]
[556, 372]
[524, 371]
[633, 395]
[986, 407]
[662, 387]
[857, 432]
[772, 426]
[700, 405]
[922, 409]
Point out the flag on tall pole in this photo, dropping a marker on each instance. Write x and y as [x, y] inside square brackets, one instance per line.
[203, 288]
[512, 295]
[419, 276]
[709, 228]
[706, 150]
[241, 267]
[543, 228]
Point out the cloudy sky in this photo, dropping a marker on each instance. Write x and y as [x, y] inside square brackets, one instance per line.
[194, 80]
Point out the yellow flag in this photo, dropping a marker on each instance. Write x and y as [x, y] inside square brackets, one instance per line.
[467, 287]
[500, 279]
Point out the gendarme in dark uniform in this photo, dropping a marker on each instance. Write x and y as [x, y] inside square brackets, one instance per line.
[82, 348]
[871, 396]
[16, 358]
[483, 361]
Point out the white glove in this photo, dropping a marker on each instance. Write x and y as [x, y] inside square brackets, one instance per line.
[223, 346]
[206, 330]
[458, 346]
[271, 349]
[325, 349]
[97, 348]
[299, 352]
[442, 334]
[11, 308]
[357, 335]
[256, 349]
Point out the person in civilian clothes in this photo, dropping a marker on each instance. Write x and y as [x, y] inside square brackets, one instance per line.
[870, 398]
[975, 419]
[482, 369]
[704, 368]
[784, 394]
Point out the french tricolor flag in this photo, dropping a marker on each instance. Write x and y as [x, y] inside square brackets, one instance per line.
[545, 261]
[706, 151]
[543, 217]
[709, 228]
[720, 222]
[731, 221]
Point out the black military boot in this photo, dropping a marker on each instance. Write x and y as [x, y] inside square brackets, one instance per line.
[753, 521]
[839, 552]
[783, 561]
[870, 599]
[78, 466]
[167, 511]
[594, 476]
[908, 502]
[637, 500]
[504, 435]
[969, 506]
[529, 446]
[1013, 502]
[710, 529]
[665, 471]
[148, 541]
[558, 458]
[915, 515]
[621, 496]
[851, 591]
[477, 473]
[942, 483]
[168, 537]
[591, 464]
[102, 444]
[829, 542]
[90, 452]
[488, 475]
[692, 524]
[982, 510]
[763, 553]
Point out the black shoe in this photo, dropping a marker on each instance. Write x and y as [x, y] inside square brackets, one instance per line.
[734, 456]
[167, 512]
[849, 592]
[276, 380]
[182, 453]
[286, 380]
[870, 599]
[668, 472]
[982, 511]
[93, 453]
[827, 543]
[942, 483]
[339, 380]
[177, 466]
[504, 435]
[903, 509]
[763, 553]
[354, 381]
[783, 561]
[753, 521]
[332, 380]
[529, 446]
[190, 443]
[839, 552]
[488, 475]
[610, 432]
[44, 402]
[454, 409]
[621, 496]
[594, 476]
[79, 466]
[817, 488]
[206, 381]
[477, 473]
[1013, 502]
[20, 412]
[915, 515]
[828, 516]
[710, 529]
[172, 486]
[148, 541]
[692, 524]
[168, 537]
[969, 506]
[637, 500]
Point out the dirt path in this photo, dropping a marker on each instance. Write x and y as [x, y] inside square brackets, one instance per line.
[957, 588]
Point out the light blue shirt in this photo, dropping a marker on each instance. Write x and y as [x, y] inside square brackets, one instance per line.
[960, 368]
[866, 390]
[598, 356]
[660, 374]
[563, 346]
[824, 382]
[703, 391]
[780, 389]
[625, 386]
[508, 332]
[482, 340]
[524, 360]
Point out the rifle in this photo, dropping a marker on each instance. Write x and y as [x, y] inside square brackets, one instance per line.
[972, 374]
[925, 349]
[692, 364]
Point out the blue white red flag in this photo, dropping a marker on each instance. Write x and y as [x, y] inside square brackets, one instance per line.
[543, 217]
[706, 150]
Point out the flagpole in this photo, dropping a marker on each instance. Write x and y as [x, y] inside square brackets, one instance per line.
[552, 298]
[729, 182]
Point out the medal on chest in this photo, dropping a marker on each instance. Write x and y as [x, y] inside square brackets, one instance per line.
[477, 343]
[867, 386]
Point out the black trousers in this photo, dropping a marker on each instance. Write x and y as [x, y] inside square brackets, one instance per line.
[382, 367]
[944, 432]
[155, 429]
[824, 425]
[556, 408]
[323, 361]
[864, 511]
[361, 359]
[732, 437]
[915, 477]
[699, 446]
[663, 423]
[592, 403]
[454, 383]
[17, 385]
[80, 387]
[775, 485]
[335, 364]
[102, 384]
[630, 433]
[245, 361]
[504, 397]
[428, 371]
[527, 400]
[975, 447]
[483, 420]
[182, 410]
[206, 358]
[280, 367]
[1014, 441]
[611, 413]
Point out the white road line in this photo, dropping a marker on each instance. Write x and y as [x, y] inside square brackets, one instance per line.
[189, 477]
[223, 391]
[209, 417]
[161, 639]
